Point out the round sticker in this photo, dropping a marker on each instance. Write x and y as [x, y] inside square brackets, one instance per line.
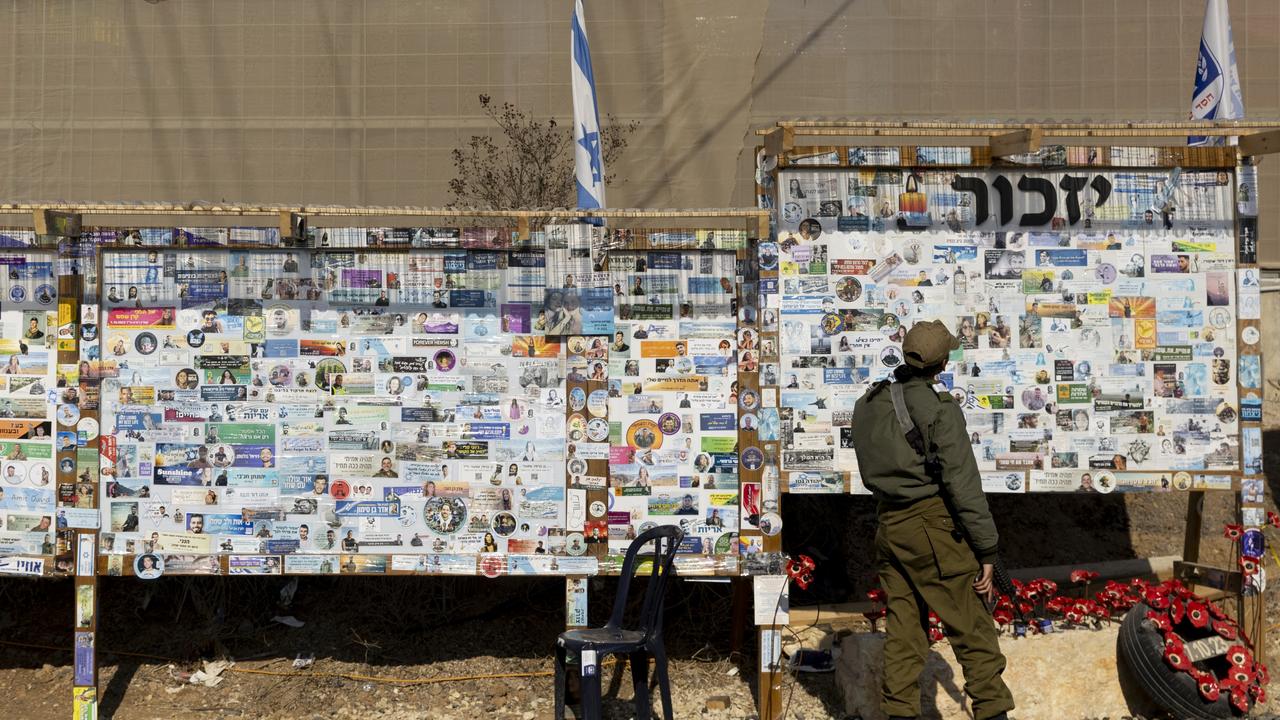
[597, 508]
[195, 338]
[444, 515]
[1219, 317]
[278, 320]
[1104, 482]
[726, 543]
[891, 357]
[577, 466]
[1252, 544]
[39, 475]
[504, 523]
[67, 466]
[577, 345]
[88, 427]
[68, 415]
[186, 379]
[1250, 335]
[148, 566]
[752, 458]
[848, 289]
[17, 293]
[749, 399]
[145, 343]
[45, 294]
[339, 490]
[325, 369]
[598, 402]
[770, 524]
[445, 360]
[576, 423]
[492, 565]
[1182, 480]
[575, 544]
[832, 324]
[577, 399]
[14, 473]
[644, 435]
[669, 423]
[283, 375]
[597, 430]
[1106, 273]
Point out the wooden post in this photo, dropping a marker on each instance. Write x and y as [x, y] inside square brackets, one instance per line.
[1250, 501]
[78, 466]
[758, 460]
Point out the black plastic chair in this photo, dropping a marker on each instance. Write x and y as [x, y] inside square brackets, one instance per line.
[638, 644]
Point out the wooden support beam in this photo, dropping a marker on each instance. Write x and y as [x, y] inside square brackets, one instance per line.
[293, 226]
[1191, 537]
[1230, 581]
[1018, 142]
[1262, 143]
[779, 140]
[54, 222]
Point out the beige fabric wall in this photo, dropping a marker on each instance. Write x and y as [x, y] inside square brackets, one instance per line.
[360, 102]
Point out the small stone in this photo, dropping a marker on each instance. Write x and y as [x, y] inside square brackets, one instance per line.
[717, 702]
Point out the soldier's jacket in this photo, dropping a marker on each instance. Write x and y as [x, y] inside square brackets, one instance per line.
[895, 473]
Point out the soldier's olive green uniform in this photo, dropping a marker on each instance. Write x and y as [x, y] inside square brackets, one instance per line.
[932, 535]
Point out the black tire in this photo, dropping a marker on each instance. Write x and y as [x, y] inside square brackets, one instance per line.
[1141, 649]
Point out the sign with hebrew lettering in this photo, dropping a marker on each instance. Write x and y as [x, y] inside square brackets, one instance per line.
[1096, 312]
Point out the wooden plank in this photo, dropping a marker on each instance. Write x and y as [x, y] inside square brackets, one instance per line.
[1229, 581]
[1018, 142]
[1263, 143]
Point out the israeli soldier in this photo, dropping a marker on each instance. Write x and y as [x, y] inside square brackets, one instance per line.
[936, 543]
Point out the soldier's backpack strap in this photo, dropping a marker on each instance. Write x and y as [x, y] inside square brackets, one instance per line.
[915, 437]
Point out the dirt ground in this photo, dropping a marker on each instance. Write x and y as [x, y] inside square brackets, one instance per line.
[412, 647]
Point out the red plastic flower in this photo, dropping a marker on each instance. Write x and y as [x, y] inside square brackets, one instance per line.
[1259, 693]
[1083, 576]
[1156, 598]
[1176, 658]
[1232, 532]
[1273, 518]
[1002, 616]
[1176, 610]
[1264, 675]
[1240, 676]
[1248, 566]
[1197, 614]
[1239, 656]
[1208, 687]
[1160, 620]
[1240, 699]
[1225, 629]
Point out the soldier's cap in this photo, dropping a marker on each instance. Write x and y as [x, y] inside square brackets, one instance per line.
[928, 344]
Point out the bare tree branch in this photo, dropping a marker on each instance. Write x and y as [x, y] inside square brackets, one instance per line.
[528, 163]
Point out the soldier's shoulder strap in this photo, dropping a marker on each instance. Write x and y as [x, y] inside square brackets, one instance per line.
[915, 436]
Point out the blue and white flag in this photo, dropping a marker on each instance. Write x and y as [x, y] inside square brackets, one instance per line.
[1217, 93]
[588, 156]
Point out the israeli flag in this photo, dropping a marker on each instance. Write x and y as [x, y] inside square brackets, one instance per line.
[1217, 93]
[588, 158]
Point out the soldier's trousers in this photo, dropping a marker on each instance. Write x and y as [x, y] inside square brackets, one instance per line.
[925, 564]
